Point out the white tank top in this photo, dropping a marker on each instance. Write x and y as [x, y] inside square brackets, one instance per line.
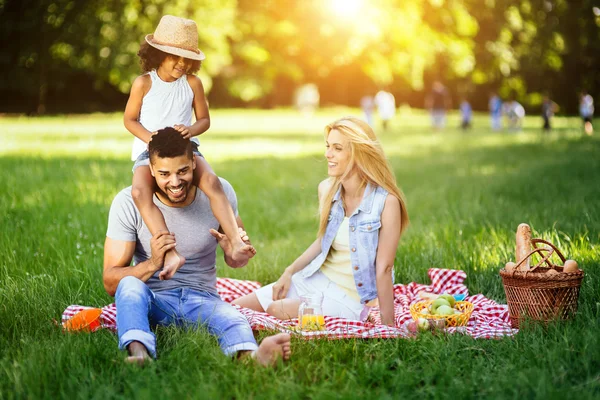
[338, 266]
[165, 104]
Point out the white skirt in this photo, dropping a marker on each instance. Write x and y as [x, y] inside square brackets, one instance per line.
[336, 303]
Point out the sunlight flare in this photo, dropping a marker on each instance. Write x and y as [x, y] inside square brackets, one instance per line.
[346, 8]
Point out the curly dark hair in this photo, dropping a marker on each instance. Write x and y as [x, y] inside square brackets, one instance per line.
[168, 143]
[151, 58]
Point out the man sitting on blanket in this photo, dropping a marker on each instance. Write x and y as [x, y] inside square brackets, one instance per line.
[147, 296]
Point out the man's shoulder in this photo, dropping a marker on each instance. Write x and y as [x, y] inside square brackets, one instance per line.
[123, 219]
[124, 196]
[229, 193]
[226, 185]
[124, 201]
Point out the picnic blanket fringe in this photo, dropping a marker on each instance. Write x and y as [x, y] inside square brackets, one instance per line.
[489, 319]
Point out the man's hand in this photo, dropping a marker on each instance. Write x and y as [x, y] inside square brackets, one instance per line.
[225, 244]
[184, 130]
[161, 243]
[282, 286]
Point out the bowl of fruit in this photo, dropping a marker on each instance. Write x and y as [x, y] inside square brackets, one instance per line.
[444, 308]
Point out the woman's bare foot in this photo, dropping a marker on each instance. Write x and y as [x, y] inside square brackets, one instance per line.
[173, 261]
[138, 354]
[273, 347]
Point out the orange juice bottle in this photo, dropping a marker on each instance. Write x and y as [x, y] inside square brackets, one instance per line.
[310, 314]
[312, 322]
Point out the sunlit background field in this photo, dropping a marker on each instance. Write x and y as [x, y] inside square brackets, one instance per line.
[466, 192]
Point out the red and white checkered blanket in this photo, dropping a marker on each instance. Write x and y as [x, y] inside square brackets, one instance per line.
[488, 320]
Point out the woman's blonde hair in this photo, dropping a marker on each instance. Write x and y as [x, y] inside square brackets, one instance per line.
[369, 161]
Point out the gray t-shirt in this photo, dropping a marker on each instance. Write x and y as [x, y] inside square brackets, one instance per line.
[191, 226]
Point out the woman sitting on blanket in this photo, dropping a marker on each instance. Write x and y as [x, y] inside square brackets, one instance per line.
[362, 215]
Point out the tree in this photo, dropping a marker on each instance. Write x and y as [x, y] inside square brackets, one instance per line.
[259, 51]
[48, 41]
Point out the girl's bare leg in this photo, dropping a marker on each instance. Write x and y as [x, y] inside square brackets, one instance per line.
[210, 184]
[142, 192]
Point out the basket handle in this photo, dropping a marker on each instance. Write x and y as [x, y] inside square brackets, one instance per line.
[534, 243]
[545, 258]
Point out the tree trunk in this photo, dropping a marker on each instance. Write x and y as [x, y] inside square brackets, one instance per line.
[42, 64]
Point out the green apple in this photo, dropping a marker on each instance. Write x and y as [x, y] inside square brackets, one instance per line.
[444, 310]
[449, 298]
[437, 303]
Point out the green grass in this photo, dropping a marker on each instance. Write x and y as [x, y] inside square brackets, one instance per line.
[466, 192]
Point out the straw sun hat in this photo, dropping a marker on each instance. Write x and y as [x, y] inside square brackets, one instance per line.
[177, 36]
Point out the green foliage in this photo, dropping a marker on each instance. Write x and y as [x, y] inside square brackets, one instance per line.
[388, 40]
[259, 51]
[466, 195]
[51, 40]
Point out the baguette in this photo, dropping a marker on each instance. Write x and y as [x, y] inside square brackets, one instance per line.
[523, 246]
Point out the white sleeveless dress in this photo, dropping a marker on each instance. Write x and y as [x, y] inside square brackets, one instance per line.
[165, 104]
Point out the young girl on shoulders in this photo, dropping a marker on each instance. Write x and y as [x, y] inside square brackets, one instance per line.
[362, 215]
[167, 95]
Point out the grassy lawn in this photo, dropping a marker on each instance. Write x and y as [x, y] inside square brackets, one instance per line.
[466, 192]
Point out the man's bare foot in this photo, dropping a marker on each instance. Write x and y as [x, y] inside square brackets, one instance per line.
[273, 347]
[138, 354]
[242, 252]
[173, 261]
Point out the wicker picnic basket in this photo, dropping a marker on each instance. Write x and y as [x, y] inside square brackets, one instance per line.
[537, 294]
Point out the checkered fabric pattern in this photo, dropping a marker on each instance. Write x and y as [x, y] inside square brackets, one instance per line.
[489, 319]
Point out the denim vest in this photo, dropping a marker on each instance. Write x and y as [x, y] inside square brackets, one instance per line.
[364, 227]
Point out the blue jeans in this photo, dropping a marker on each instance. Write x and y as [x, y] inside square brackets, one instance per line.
[138, 308]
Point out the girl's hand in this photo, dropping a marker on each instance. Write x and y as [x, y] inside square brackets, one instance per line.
[282, 286]
[184, 130]
[151, 136]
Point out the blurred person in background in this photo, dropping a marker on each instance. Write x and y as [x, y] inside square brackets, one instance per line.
[438, 102]
[548, 109]
[514, 113]
[307, 99]
[386, 106]
[466, 114]
[495, 107]
[586, 110]
[367, 104]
